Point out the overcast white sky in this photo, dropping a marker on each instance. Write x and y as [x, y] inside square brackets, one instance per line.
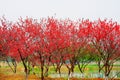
[73, 9]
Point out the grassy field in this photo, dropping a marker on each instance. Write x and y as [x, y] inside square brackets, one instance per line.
[7, 74]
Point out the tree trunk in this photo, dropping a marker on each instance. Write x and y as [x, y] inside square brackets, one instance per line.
[106, 77]
[59, 72]
[46, 71]
[69, 72]
[10, 66]
[15, 65]
[26, 70]
[42, 66]
[72, 70]
[42, 74]
[24, 64]
[58, 69]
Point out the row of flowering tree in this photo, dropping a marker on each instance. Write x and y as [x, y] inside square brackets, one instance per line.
[51, 41]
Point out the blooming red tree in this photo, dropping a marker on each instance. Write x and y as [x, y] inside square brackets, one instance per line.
[17, 42]
[84, 52]
[4, 41]
[53, 41]
[106, 40]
